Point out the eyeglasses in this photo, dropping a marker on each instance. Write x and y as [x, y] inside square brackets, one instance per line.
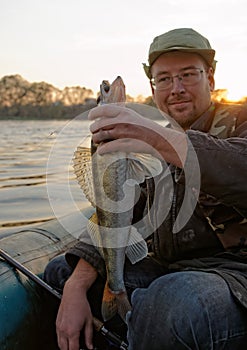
[189, 76]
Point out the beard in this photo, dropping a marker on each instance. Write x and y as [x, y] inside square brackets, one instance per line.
[183, 116]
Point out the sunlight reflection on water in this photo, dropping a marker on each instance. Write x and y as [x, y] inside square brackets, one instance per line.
[24, 151]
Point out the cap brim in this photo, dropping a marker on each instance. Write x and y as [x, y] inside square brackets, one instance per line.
[206, 54]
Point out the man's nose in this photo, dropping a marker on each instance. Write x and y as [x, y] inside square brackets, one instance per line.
[177, 86]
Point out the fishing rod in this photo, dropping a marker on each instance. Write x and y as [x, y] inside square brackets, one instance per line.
[98, 325]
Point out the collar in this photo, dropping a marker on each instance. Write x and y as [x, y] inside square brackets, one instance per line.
[204, 122]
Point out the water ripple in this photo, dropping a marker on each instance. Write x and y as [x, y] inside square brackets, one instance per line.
[25, 147]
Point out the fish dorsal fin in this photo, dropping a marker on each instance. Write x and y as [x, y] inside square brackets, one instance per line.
[82, 163]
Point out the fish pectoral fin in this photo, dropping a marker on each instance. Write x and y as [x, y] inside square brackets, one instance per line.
[137, 247]
[143, 166]
[114, 303]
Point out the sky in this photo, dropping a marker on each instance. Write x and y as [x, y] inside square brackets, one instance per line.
[82, 42]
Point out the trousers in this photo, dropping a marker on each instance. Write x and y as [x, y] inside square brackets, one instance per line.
[178, 310]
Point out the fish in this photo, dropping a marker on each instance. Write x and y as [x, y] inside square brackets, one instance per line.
[109, 183]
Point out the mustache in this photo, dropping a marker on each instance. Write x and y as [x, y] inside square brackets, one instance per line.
[178, 100]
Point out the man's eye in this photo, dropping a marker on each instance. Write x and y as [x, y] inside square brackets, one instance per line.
[188, 74]
[167, 78]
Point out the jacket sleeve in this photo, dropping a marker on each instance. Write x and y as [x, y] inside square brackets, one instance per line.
[87, 252]
[222, 166]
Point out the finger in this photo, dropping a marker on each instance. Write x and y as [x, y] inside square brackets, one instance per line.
[102, 136]
[103, 123]
[120, 145]
[74, 342]
[128, 145]
[62, 342]
[88, 332]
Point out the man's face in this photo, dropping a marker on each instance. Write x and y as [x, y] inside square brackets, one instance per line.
[184, 103]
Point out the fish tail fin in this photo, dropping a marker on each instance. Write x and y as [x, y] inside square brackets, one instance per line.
[114, 303]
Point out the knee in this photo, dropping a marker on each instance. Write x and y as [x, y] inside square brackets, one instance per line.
[57, 272]
[173, 310]
[172, 297]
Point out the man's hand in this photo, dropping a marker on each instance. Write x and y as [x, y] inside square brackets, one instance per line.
[128, 131]
[74, 314]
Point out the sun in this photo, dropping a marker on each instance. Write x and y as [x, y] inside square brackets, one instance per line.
[234, 90]
[235, 95]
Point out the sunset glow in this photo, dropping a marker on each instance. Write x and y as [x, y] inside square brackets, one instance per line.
[70, 44]
[235, 95]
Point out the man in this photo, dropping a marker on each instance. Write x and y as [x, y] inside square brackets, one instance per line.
[191, 290]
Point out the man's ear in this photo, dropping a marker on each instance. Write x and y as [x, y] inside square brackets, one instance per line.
[152, 89]
[211, 79]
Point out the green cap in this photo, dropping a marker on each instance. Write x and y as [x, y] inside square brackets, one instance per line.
[181, 39]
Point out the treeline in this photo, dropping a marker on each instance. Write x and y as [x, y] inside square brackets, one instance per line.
[22, 99]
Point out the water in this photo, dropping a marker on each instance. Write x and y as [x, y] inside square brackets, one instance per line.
[37, 182]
